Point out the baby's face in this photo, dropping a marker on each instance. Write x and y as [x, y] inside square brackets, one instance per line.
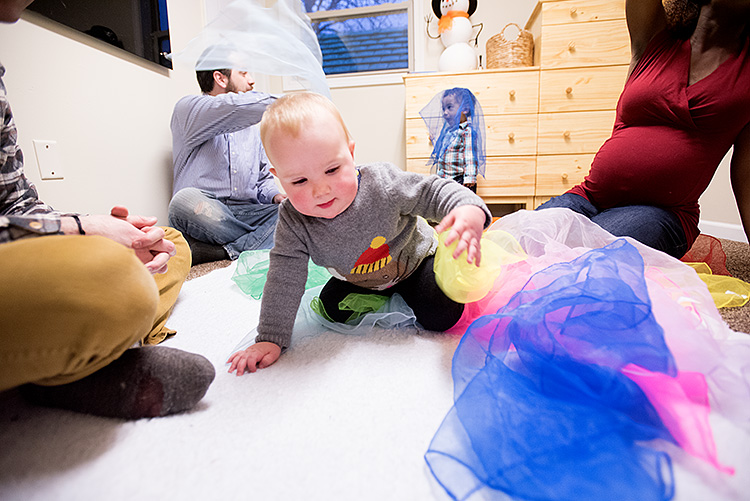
[451, 109]
[315, 168]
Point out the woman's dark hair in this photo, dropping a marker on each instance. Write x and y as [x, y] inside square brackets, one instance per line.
[682, 16]
[206, 79]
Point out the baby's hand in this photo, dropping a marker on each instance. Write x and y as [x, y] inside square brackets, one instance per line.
[466, 223]
[258, 356]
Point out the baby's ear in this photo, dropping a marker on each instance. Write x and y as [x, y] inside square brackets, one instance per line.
[272, 170]
[351, 147]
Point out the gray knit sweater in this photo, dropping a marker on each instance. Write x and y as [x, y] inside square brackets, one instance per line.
[376, 242]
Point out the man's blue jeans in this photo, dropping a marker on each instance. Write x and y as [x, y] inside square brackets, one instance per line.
[658, 228]
[233, 225]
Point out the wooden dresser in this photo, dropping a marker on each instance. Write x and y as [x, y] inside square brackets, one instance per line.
[544, 122]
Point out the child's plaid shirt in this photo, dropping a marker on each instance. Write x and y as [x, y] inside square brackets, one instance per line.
[458, 157]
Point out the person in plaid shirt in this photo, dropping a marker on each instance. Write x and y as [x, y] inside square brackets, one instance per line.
[455, 117]
[78, 291]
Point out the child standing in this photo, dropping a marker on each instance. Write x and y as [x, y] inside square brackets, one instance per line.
[455, 118]
[361, 223]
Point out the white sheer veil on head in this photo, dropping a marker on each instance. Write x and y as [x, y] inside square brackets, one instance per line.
[277, 40]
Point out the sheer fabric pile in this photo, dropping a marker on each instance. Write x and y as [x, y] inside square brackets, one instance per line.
[584, 364]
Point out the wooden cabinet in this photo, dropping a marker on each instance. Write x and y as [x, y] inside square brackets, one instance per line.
[585, 44]
[573, 132]
[544, 122]
[583, 53]
[572, 89]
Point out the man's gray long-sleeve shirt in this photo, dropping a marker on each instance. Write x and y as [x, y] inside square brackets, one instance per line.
[376, 242]
[216, 146]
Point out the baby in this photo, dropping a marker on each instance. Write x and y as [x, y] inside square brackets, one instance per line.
[361, 223]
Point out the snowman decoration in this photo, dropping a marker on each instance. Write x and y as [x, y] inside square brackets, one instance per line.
[455, 31]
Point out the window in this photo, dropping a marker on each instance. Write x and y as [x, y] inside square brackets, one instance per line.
[358, 36]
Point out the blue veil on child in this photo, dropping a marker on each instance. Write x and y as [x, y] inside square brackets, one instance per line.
[443, 122]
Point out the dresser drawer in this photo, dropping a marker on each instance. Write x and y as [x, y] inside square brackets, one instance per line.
[505, 135]
[498, 91]
[585, 44]
[504, 176]
[573, 132]
[581, 11]
[508, 176]
[556, 174]
[581, 89]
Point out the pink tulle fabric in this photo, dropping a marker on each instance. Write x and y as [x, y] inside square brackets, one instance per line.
[682, 404]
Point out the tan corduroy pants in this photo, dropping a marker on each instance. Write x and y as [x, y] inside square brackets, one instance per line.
[69, 305]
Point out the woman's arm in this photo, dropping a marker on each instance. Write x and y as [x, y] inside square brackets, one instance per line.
[645, 19]
[740, 175]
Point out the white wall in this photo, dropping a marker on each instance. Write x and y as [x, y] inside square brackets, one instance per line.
[719, 214]
[108, 111]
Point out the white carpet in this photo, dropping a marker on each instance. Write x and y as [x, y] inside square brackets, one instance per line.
[338, 417]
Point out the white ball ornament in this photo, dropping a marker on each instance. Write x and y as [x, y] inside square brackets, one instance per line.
[460, 32]
[458, 57]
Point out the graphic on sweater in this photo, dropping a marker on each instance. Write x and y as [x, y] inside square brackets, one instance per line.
[374, 258]
[375, 268]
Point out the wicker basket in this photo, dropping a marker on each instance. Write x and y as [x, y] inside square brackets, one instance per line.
[504, 53]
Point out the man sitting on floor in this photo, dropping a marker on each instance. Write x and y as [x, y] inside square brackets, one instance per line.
[225, 200]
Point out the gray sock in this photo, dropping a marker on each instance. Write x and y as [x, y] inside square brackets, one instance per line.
[150, 381]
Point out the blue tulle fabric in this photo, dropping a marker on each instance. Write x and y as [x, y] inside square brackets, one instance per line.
[541, 409]
[441, 129]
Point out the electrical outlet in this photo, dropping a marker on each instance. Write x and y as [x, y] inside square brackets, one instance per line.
[48, 159]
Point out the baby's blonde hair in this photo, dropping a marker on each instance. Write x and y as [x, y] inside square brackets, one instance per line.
[291, 112]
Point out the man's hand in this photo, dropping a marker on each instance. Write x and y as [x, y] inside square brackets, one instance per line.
[466, 224]
[134, 232]
[150, 247]
[279, 197]
[139, 222]
[258, 356]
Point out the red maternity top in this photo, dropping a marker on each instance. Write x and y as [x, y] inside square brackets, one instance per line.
[669, 138]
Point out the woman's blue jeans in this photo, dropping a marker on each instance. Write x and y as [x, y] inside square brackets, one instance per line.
[653, 226]
[236, 226]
